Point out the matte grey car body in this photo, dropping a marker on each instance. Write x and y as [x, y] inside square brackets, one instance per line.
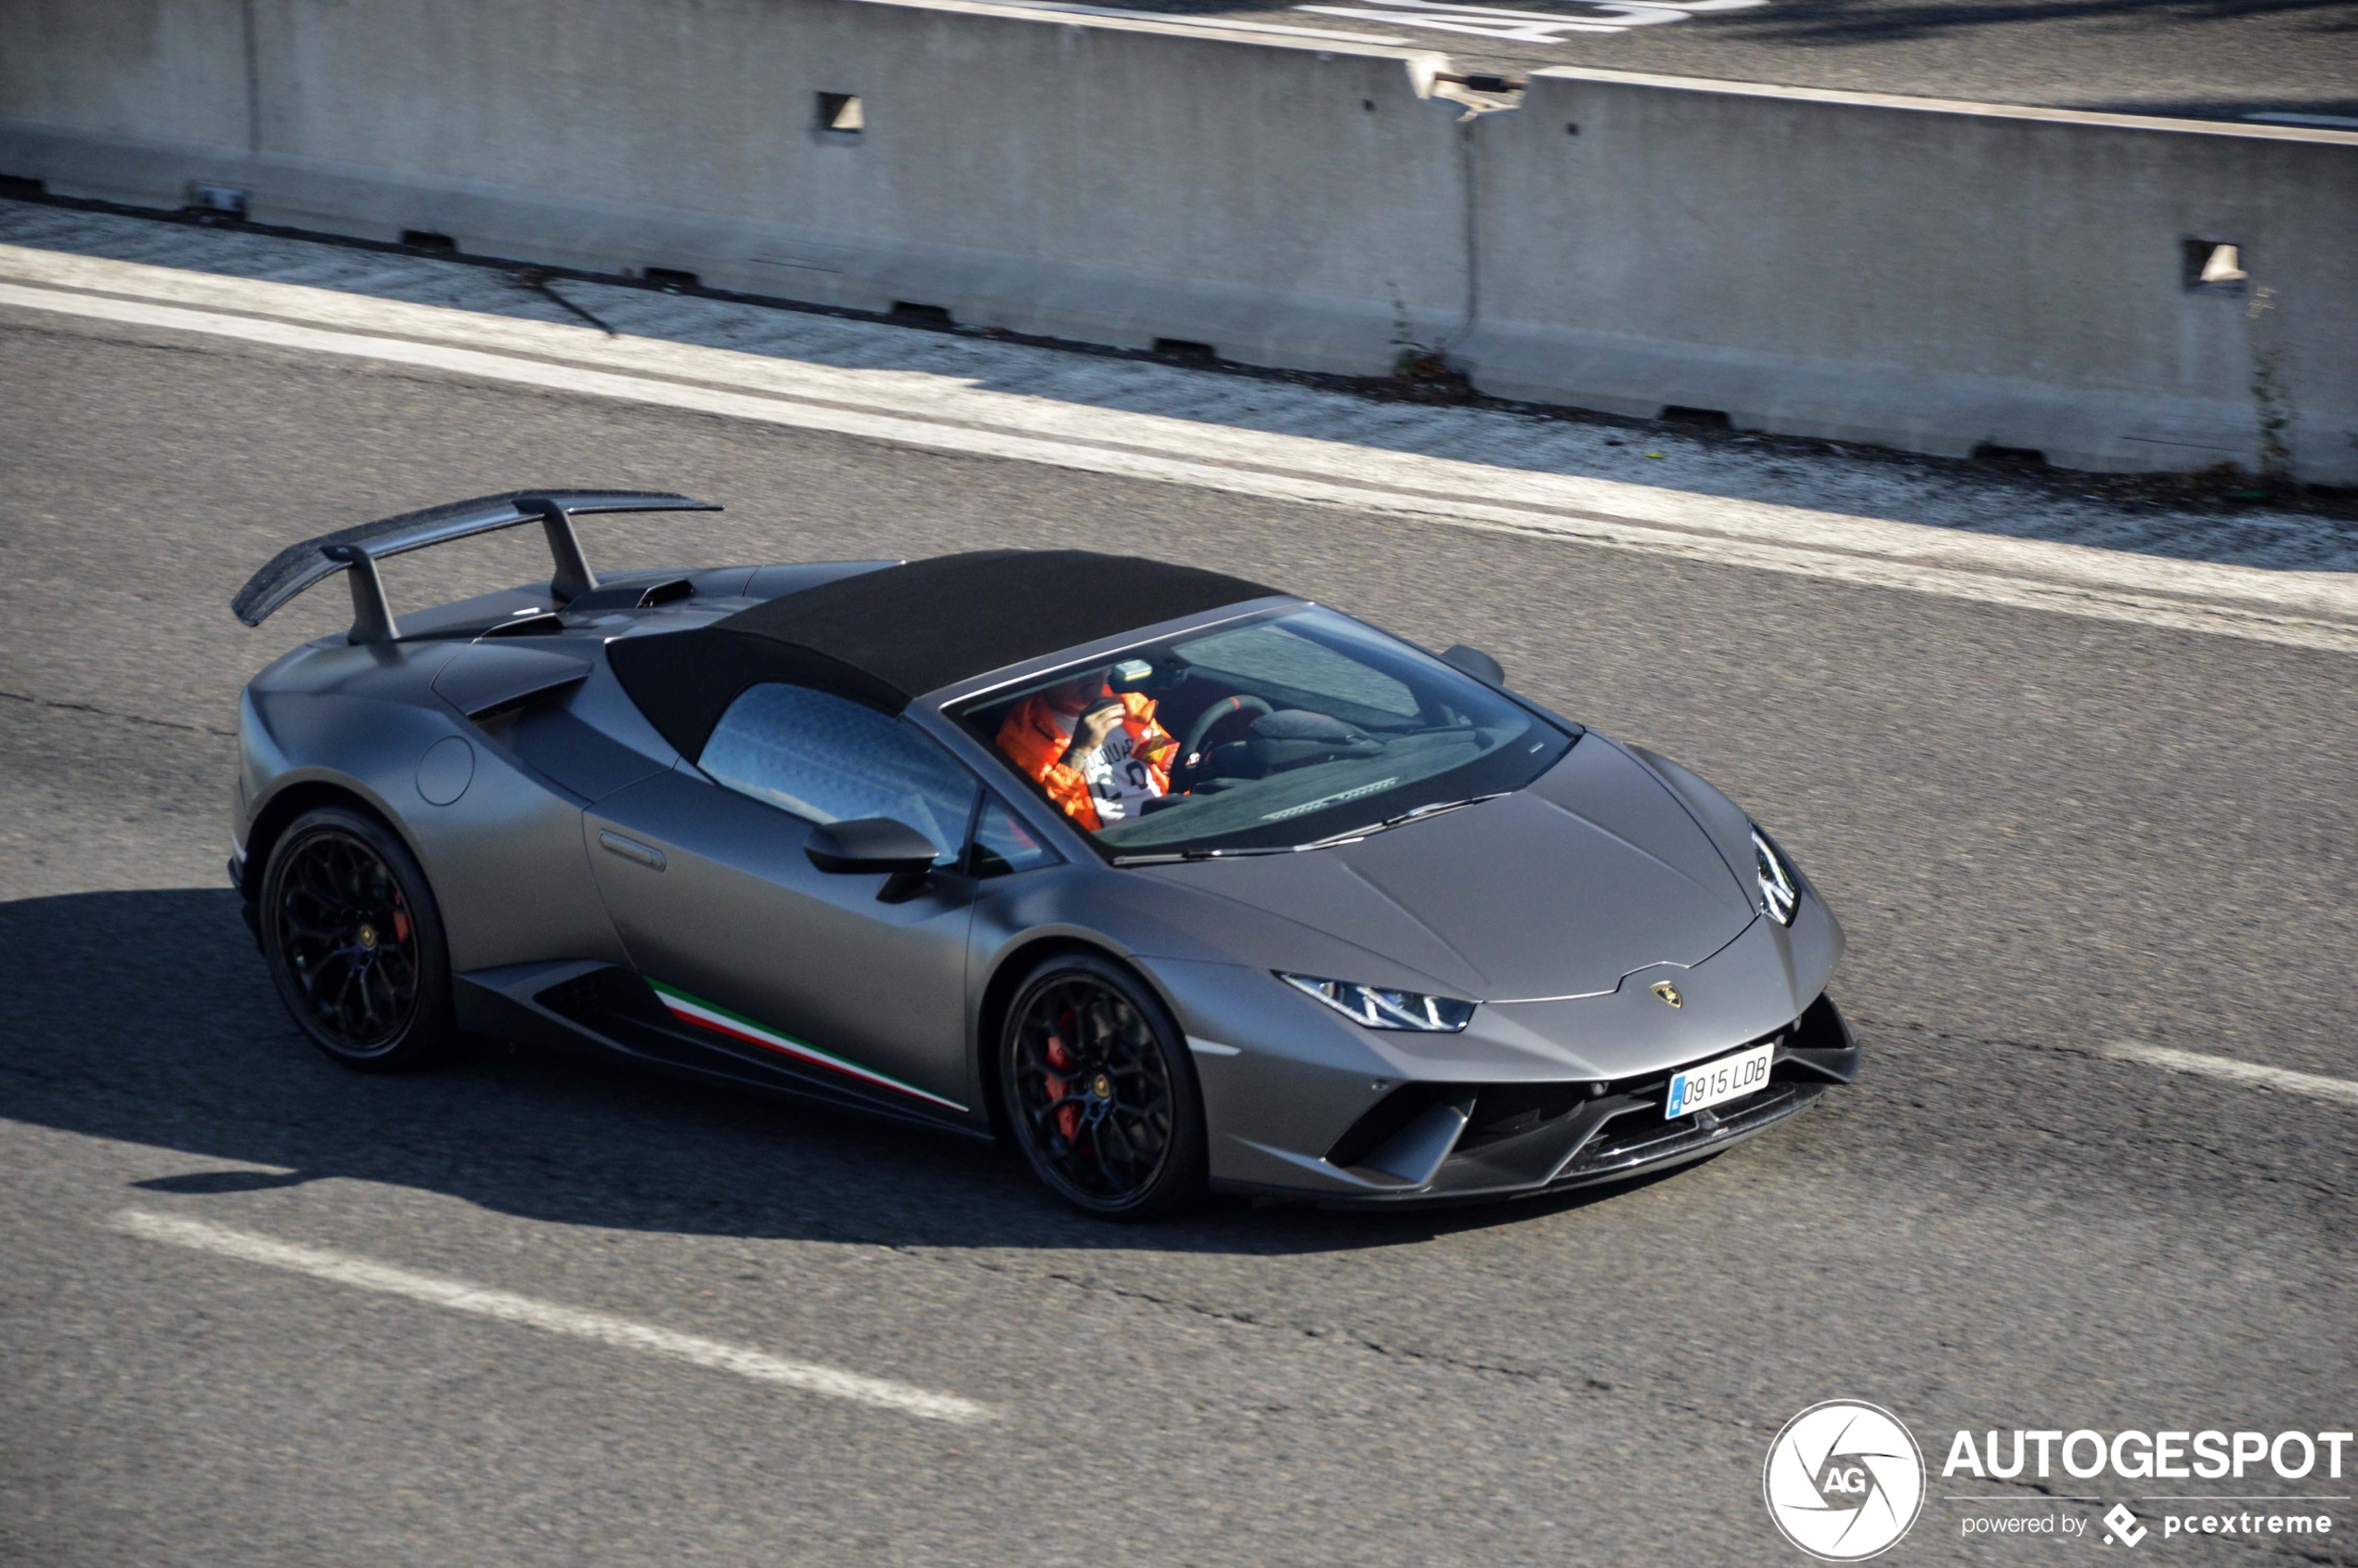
[594, 884]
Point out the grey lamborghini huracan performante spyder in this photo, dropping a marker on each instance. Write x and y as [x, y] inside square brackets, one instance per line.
[1177, 880]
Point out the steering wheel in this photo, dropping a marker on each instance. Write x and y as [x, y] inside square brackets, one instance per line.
[1191, 752]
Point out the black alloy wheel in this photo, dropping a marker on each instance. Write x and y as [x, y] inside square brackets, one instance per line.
[354, 942]
[1099, 1091]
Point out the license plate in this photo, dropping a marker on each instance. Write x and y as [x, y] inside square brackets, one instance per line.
[1731, 1076]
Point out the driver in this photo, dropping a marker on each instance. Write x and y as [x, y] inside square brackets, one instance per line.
[1099, 755]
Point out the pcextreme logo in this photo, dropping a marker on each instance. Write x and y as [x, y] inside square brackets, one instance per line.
[1845, 1481]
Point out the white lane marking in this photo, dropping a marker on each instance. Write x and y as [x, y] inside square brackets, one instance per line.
[2316, 1085]
[2302, 609]
[341, 1268]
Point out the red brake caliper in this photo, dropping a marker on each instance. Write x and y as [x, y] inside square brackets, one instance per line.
[1067, 1114]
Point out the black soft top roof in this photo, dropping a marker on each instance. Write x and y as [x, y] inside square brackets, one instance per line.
[882, 638]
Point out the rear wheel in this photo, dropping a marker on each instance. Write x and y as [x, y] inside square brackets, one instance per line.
[1099, 1092]
[354, 942]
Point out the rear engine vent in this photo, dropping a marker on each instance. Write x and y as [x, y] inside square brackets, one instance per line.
[632, 596]
[528, 626]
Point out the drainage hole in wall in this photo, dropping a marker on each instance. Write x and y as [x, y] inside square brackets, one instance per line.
[841, 113]
[1570, 129]
[2014, 457]
[910, 315]
[1184, 350]
[670, 277]
[1706, 418]
[229, 201]
[20, 188]
[427, 239]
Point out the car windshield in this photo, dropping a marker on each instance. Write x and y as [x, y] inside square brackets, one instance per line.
[1266, 734]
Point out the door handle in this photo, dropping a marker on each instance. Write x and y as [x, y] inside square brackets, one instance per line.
[631, 850]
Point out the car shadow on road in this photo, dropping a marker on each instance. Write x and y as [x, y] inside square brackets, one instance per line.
[147, 1016]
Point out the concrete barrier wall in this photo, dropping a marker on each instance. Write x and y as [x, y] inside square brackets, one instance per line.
[1111, 181]
[169, 70]
[1933, 276]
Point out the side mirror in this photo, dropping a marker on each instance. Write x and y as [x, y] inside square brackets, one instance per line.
[870, 845]
[1476, 663]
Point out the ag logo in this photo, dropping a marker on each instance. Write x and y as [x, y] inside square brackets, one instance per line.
[1844, 1481]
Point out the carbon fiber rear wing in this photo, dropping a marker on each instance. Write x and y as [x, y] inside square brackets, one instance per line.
[356, 550]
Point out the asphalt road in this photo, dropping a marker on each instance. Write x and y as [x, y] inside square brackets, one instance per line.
[2206, 58]
[2045, 834]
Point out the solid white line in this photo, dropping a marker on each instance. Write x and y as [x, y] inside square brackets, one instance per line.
[2303, 609]
[2316, 1085]
[341, 1268]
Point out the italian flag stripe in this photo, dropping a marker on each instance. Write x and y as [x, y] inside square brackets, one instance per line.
[736, 1026]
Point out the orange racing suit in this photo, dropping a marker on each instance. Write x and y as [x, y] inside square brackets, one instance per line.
[1133, 766]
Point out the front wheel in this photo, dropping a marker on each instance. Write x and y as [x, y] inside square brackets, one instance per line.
[1099, 1091]
[354, 942]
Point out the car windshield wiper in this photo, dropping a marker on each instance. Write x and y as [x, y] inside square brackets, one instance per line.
[1174, 856]
[1350, 836]
[1415, 813]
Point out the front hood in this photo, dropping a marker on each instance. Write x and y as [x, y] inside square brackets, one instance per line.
[1560, 889]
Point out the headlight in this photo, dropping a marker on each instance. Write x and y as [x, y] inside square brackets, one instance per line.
[1779, 894]
[1379, 1009]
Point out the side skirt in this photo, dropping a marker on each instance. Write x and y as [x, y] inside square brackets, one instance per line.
[573, 1002]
